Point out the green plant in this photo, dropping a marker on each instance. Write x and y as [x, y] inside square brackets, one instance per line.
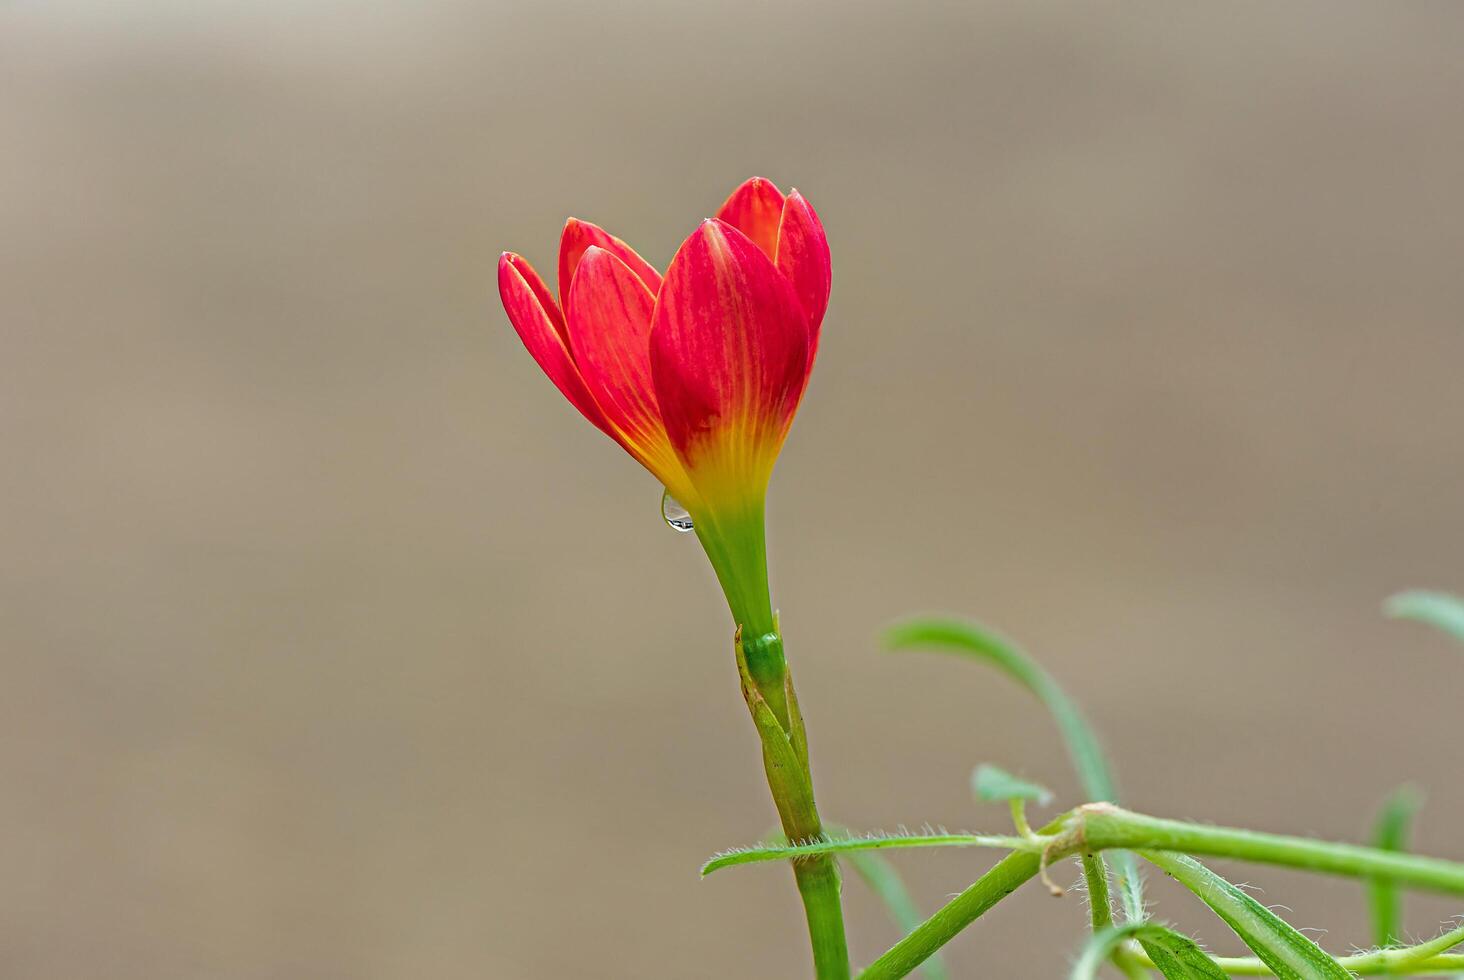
[698, 375]
[1138, 945]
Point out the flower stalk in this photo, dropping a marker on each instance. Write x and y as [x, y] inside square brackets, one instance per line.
[697, 374]
[785, 761]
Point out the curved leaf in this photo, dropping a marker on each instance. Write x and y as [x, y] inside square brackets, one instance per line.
[1288, 954]
[976, 641]
[1177, 957]
[1095, 773]
[1438, 609]
[992, 784]
[805, 849]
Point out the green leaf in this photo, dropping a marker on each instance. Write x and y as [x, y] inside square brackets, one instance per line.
[980, 643]
[976, 641]
[994, 785]
[1288, 954]
[1438, 609]
[1177, 957]
[881, 877]
[1390, 833]
[847, 845]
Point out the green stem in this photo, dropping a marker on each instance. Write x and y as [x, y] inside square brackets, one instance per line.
[1363, 964]
[1100, 826]
[1004, 878]
[779, 723]
[819, 886]
[1450, 963]
[1100, 913]
[884, 881]
[1095, 872]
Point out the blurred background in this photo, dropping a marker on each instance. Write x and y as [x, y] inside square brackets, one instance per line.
[336, 645]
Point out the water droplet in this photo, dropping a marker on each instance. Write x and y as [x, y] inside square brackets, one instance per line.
[676, 516]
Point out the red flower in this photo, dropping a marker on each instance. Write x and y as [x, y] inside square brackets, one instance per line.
[697, 375]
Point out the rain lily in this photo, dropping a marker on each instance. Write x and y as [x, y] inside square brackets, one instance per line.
[696, 374]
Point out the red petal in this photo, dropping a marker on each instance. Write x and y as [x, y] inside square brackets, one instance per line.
[755, 209]
[729, 355]
[531, 309]
[803, 256]
[581, 235]
[609, 330]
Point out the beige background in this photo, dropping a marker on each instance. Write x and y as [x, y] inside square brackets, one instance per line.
[335, 645]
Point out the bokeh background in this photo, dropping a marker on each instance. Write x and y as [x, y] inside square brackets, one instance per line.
[335, 645]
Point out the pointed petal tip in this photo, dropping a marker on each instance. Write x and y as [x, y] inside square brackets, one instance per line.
[575, 228]
[508, 264]
[729, 349]
[755, 208]
[517, 262]
[597, 252]
[802, 254]
[579, 236]
[707, 226]
[715, 229]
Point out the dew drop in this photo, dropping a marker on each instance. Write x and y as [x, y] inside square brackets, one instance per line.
[677, 517]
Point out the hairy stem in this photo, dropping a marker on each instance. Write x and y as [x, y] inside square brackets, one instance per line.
[1095, 873]
[1363, 964]
[779, 723]
[1100, 915]
[1099, 826]
[1004, 878]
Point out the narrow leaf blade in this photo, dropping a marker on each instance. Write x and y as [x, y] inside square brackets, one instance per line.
[1390, 833]
[1440, 610]
[1177, 957]
[1288, 953]
[975, 641]
[992, 784]
[979, 643]
[841, 846]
